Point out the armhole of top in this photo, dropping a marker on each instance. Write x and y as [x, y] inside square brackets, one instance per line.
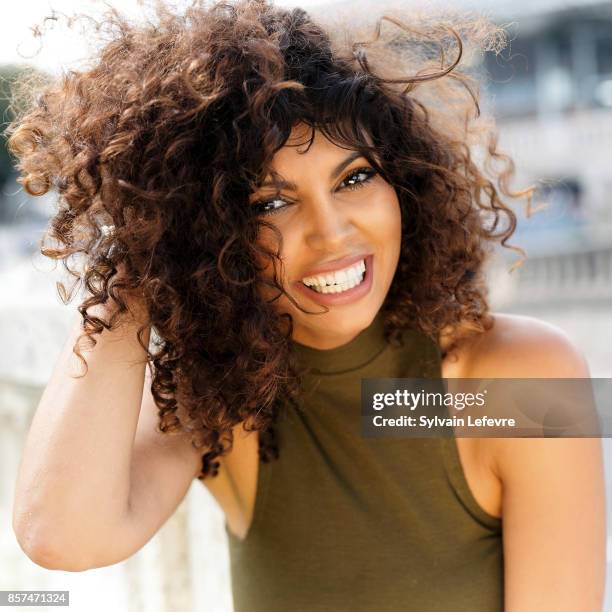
[456, 475]
[261, 492]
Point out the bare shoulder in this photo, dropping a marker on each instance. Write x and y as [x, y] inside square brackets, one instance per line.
[517, 346]
[544, 482]
[521, 346]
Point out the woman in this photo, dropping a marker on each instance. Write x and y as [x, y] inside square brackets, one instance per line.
[292, 214]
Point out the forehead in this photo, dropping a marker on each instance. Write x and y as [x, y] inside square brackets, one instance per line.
[307, 151]
[299, 147]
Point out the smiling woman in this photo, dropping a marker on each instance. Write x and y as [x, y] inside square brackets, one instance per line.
[293, 209]
[340, 216]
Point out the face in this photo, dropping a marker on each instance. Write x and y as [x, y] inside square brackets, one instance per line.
[332, 206]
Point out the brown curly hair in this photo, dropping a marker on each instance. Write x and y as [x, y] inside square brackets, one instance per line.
[154, 149]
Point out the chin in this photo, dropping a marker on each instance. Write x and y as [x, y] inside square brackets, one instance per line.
[339, 323]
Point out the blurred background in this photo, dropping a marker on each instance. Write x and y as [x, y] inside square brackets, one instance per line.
[551, 91]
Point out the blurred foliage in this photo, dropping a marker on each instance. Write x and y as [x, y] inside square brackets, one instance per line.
[8, 74]
[17, 84]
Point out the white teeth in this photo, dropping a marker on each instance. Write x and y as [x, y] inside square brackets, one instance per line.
[338, 279]
[338, 288]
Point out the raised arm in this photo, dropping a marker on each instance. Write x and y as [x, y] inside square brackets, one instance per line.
[96, 480]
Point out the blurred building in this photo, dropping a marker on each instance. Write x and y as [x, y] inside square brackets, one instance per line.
[551, 91]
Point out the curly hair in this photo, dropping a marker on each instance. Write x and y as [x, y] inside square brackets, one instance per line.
[154, 148]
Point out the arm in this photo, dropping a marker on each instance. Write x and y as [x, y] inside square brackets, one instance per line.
[554, 524]
[162, 469]
[553, 490]
[95, 480]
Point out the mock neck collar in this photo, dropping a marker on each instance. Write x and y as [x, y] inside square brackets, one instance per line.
[356, 353]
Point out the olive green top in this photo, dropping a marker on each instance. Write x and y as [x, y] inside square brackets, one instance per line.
[349, 523]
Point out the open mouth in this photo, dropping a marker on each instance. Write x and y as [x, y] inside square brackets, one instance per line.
[354, 281]
[356, 287]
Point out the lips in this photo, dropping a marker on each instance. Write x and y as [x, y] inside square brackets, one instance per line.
[344, 298]
[337, 264]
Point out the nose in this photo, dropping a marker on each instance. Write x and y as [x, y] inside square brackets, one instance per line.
[329, 226]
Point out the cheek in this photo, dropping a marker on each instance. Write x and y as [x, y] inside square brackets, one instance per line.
[386, 218]
[269, 241]
[389, 233]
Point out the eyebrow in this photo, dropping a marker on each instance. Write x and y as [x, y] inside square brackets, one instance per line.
[282, 184]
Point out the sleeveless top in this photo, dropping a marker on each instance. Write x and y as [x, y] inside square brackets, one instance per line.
[349, 523]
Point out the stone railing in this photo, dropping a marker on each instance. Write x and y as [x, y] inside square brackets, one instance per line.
[577, 276]
[184, 566]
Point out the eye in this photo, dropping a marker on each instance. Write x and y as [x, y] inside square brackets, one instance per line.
[354, 180]
[365, 175]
